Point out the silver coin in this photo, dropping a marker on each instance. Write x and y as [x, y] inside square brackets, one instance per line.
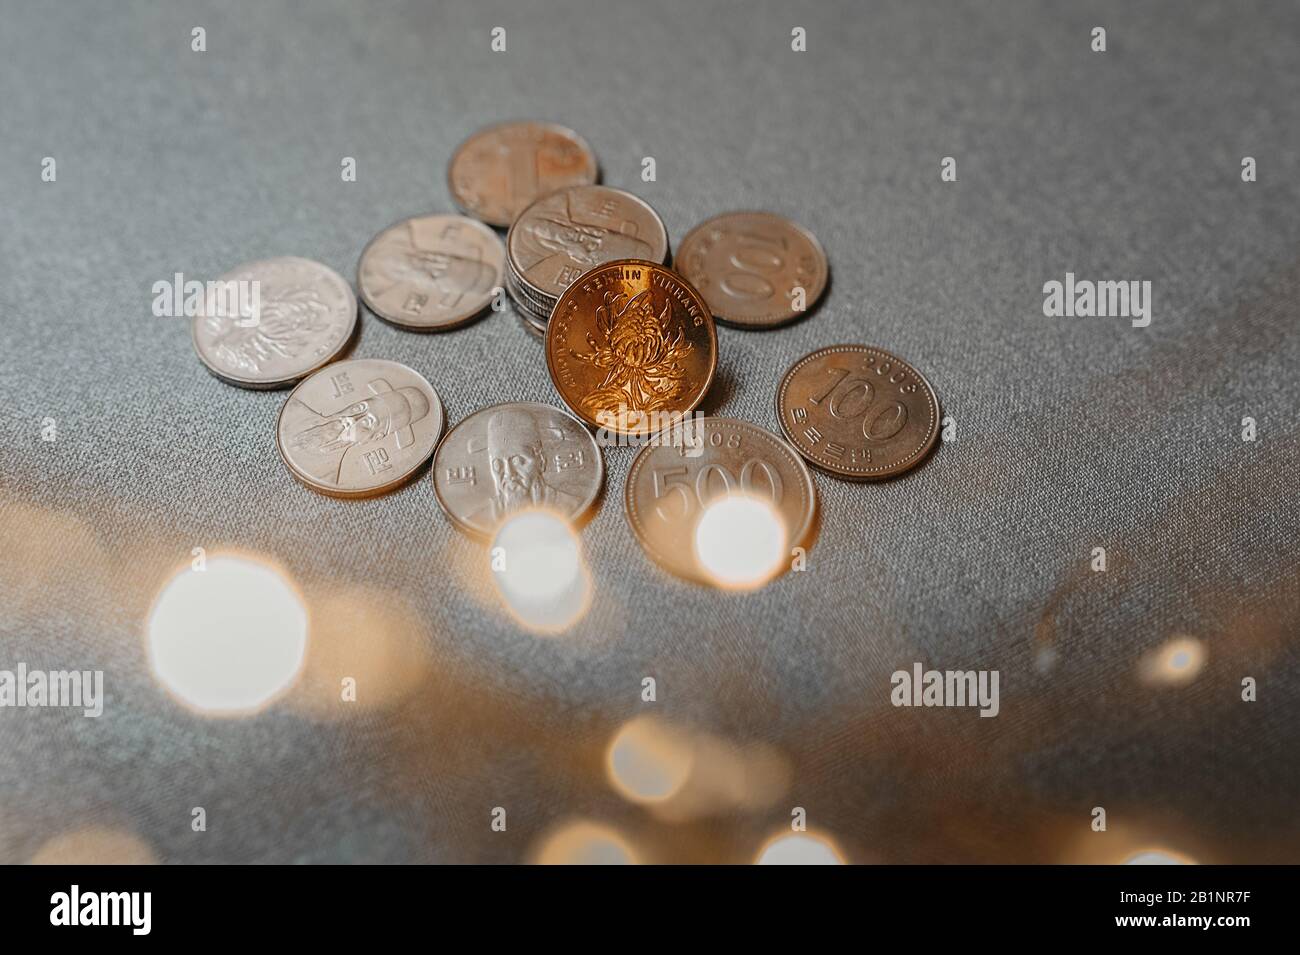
[562, 235]
[675, 477]
[536, 309]
[496, 173]
[755, 269]
[359, 427]
[266, 324]
[512, 457]
[431, 273]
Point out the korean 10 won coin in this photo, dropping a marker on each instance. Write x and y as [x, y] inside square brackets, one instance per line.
[499, 171]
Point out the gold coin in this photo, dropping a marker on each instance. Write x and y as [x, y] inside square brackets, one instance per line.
[631, 347]
[496, 173]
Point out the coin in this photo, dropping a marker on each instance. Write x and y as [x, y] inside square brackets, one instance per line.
[562, 235]
[512, 457]
[630, 346]
[536, 308]
[675, 477]
[858, 413]
[268, 323]
[751, 266]
[496, 173]
[431, 273]
[359, 427]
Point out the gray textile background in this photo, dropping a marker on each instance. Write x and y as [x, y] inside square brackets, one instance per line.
[1071, 433]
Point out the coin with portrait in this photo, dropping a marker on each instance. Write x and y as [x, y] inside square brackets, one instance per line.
[564, 234]
[430, 273]
[513, 457]
[496, 173]
[630, 346]
[266, 324]
[359, 427]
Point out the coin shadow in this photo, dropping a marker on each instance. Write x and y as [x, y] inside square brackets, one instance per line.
[721, 390]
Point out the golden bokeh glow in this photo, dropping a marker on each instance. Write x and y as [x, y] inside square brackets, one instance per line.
[1175, 662]
[227, 639]
[648, 761]
[95, 845]
[740, 542]
[1158, 857]
[585, 843]
[539, 571]
[800, 848]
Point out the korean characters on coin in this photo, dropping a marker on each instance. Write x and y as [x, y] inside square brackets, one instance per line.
[498, 171]
[858, 413]
[755, 269]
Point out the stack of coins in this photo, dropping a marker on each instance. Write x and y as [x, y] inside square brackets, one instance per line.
[533, 309]
[570, 231]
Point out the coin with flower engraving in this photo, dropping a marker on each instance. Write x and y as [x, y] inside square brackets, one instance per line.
[676, 478]
[359, 427]
[755, 269]
[496, 173]
[512, 457]
[268, 323]
[857, 412]
[631, 346]
[431, 273]
[564, 234]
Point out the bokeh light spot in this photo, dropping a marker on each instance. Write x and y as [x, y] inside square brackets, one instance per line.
[539, 571]
[800, 848]
[586, 843]
[1175, 662]
[227, 639]
[740, 542]
[648, 761]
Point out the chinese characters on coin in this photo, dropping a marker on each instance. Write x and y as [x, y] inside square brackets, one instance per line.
[630, 342]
